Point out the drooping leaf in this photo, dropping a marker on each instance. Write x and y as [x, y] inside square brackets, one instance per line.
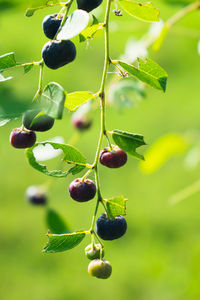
[128, 142]
[71, 156]
[7, 61]
[116, 206]
[76, 99]
[161, 151]
[142, 11]
[52, 100]
[74, 24]
[63, 242]
[148, 72]
[39, 4]
[90, 31]
[55, 223]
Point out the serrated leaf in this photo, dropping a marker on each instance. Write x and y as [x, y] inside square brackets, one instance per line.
[116, 206]
[148, 72]
[128, 142]
[39, 4]
[71, 156]
[63, 242]
[76, 99]
[7, 61]
[90, 31]
[142, 11]
[55, 223]
[52, 100]
[74, 24]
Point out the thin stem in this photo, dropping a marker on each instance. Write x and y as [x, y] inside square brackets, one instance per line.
[39, 91]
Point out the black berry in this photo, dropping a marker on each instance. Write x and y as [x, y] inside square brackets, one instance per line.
[100, 268]
[88, 5]
[51, 25]
[36, 195]
[41, 123]
[82, 191]
[56, 54]
[114, 158]
[111, 229]
[20, 138]
[93, 252]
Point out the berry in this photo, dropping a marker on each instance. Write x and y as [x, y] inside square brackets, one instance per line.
[81, 118]
[41, 123]
[56, 54]
[88, 5]
[100, 268]
[114, 158]
[20, 138]
[82, 191]
[110, 229]
[81, 124]
[36, 195]
[93, 252]
[51, 25]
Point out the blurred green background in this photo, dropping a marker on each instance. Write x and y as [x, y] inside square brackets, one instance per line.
[159, 257]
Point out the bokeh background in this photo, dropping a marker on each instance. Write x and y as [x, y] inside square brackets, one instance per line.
[159, 257]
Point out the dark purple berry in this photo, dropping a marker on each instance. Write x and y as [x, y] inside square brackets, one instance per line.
[36, 195]
[51, 25]
[21, 138]
[114, 158]
[81, 124]
[82, 191]
[56, 54]
[110, 229]
[40, 123]
[88, 5]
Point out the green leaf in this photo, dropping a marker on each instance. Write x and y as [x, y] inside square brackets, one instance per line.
[142, 11]
[148, 72]
[90, 31]
[116, 206]
[71, 156]
[28, 68]
[39, 4]
[76, 99]
[128, 142]
[7, 61]
[74, 24]
[63, 242]
[55, 222]
[52, 100]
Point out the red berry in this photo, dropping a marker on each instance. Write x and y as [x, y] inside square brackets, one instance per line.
[20, 138]
[82, 191]
[114, 158]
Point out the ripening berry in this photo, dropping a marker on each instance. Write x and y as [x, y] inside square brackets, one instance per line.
[82, 191]
[51, 25]
[100, 268]
[36, 195]
[81, 123]
[21, 138]
[88, 5]
[56, 54]
[110, 229]
[114, 158]
[93, 252]
[41, 123]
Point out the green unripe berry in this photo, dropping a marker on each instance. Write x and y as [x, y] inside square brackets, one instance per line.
[93, 252]
[100, 268]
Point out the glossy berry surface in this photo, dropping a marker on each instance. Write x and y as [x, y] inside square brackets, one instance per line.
[88, 5]
[82, 191]
[41, 123]
[93, 252]
[35, 195]
[22, 138]
[56, 54]
[100, 268]
[114, 158]
[110, 229]
[51, 25]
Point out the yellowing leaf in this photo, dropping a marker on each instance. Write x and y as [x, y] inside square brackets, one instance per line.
[74, 100]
